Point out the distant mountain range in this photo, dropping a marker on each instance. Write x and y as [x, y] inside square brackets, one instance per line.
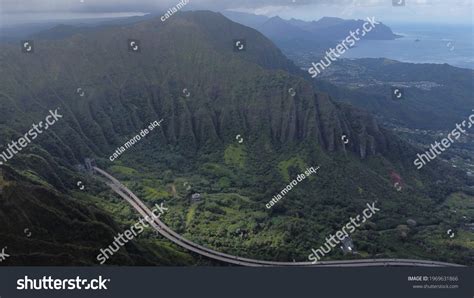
[366, 82]
[325, 29]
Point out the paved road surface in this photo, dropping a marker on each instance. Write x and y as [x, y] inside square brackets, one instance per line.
[179, 240]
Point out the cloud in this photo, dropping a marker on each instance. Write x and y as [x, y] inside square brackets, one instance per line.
[306, 9]
[415, 11]
[22, 6]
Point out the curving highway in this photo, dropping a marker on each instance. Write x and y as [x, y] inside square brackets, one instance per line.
[179, 240]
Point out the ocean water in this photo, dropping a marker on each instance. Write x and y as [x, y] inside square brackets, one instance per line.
[422, 43]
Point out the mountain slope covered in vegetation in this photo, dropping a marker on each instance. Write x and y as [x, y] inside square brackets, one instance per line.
[285, 125]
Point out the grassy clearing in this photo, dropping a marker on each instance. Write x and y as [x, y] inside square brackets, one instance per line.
[296, 162]
[235, 156]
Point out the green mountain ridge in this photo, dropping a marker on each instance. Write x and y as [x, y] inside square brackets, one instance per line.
[231, 93]
[436, 96]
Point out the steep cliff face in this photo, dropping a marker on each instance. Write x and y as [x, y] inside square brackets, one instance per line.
[231, 92]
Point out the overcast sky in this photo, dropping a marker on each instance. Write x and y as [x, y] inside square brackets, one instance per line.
[434, 11]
